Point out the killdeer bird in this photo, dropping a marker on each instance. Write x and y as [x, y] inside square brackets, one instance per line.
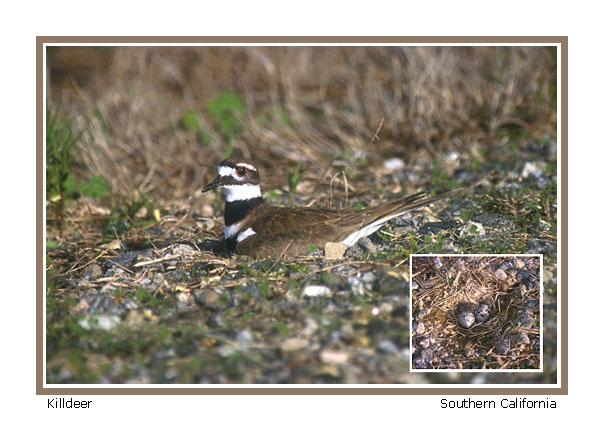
[255, 228]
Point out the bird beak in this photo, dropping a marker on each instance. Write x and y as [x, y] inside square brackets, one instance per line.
[214, 184]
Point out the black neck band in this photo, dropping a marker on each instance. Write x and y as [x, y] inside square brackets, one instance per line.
[235, 211]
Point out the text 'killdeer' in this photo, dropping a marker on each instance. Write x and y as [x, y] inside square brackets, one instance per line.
[256, 228]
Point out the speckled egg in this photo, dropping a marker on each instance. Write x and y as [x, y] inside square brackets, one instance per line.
[466, 319]
[482, 312]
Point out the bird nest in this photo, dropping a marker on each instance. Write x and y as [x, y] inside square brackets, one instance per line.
[476, 312]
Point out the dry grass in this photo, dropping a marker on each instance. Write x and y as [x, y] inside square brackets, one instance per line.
[319, 106]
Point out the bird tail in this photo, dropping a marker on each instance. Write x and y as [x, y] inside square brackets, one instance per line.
[376, 217]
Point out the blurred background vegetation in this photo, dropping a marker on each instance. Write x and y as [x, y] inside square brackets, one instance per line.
[149, 124]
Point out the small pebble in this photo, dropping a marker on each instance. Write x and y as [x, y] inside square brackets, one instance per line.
[333, 356]
[387, 346]
[522, 338]
[503, 345]
[418, 362]
[472, 229]
[293, 344]
[437, 263]
[524, 320]
[394, 164]
[518, 263]
[316, 290]
[423, 313]
[500, 274]
[427, 356]
[425, 343]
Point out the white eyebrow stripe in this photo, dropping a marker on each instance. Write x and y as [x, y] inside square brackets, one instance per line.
[241, 192]
[245, 234]
[245, 165]
[227, 171]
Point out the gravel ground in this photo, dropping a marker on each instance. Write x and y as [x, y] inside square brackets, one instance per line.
[159, 306]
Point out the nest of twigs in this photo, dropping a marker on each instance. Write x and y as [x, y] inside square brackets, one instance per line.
[476, 312]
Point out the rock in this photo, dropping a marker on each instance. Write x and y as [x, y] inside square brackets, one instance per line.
[171, 374]
[500, 274]
[418, 362]
[103, 303]
[336, 357]
[508, 264]
[420, 328]
[437, 263]
[293, 344]
[357, 285]
[534, 169]
[92, 272]
[524, 275]
[330, 371]
[524, 320]
[209, 299]
[502, 347]
[243, 339]
[182, 299]
[423, 313]
[387, 346]
[427, 356]
[394, 164]
[105, 322]
[521, 338]
[335, 250]
[495, 221]
[130, 257]
[433, 228]
[368, 277]
[425, 343]
[316, 290]
[472, 229]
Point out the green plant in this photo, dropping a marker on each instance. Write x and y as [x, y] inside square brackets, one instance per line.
[413, 243]
[227, 110]
[293, 179]
[439, 180]
[122, 216]
[191, 122]
[61, 186]
[434, 245]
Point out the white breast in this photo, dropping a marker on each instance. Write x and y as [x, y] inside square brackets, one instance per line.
[240, 192]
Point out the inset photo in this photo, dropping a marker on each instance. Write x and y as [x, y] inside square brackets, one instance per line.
[476, 312]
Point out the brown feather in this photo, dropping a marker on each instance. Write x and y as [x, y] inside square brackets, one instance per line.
[292, 231]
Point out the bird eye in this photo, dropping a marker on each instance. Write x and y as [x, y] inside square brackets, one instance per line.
[241, 171]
